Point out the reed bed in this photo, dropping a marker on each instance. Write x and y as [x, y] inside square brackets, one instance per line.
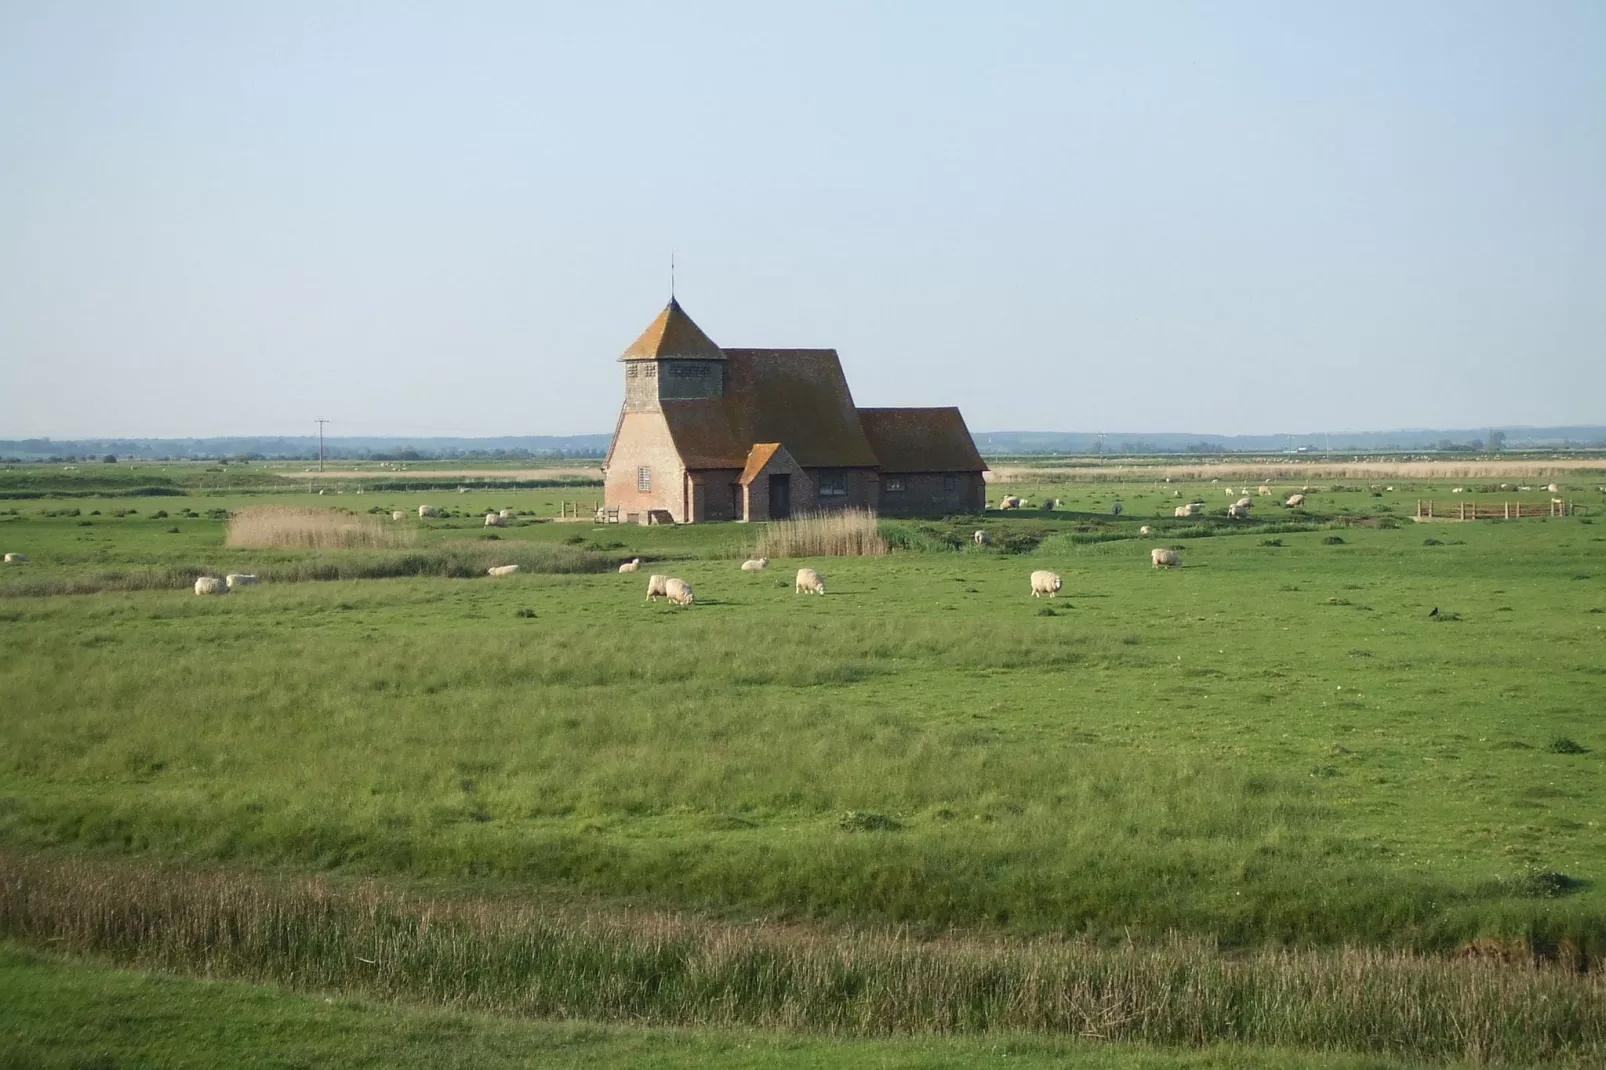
[526, 957]
[285, 527]
[846, 533]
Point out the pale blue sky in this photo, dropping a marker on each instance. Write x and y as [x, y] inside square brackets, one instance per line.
[444, 218]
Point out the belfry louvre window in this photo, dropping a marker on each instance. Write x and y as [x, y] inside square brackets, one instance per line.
[644, 479]
[833, 484]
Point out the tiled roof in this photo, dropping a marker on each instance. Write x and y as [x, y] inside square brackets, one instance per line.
[702, 433]
[757, 458]
[799, 398]
[921, 440]
[673, 336]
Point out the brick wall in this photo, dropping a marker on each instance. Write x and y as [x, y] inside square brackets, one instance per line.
[644, 442]
[934, 494]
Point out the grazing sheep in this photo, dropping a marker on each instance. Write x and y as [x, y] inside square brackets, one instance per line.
[1009, 501]
[981, 538]
[1051, 503]
[492, 520]
[756, 564]
[211, 585]
[427, 510]
[1160, 557]
[657, 587]
[1145, 530]
[678, 592]
[1181, 510]
[1045, 582]
[397, 515]
[1195, 508]
[15, 559]
[1554, 488]
[1238, 511]
[809, 582]
[501, 570]
[1388, 489]
[1245, 503]
[1116, 509]
[630, 566]
[240, 579]
[1295, 500]
[1265, 492]
[505, 514]
[1456, 490]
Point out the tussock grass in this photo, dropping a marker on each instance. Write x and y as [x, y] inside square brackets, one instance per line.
[529, 957]
[848, 533]
[285, 527]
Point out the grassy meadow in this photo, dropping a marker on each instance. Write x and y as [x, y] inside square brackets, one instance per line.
[1275, 754]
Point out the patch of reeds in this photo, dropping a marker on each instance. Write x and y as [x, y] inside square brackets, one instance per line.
[287, 527]
[845, 533]
[529, 957]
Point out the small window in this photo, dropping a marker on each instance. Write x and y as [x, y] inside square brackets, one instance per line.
[833, 484]
[630, 371]
[644, 479]
[950, 481]
[650, 371]
[894, 483]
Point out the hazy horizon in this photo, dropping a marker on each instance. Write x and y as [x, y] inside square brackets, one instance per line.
[450, 220]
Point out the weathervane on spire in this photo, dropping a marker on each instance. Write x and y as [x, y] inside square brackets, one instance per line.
[671, 275]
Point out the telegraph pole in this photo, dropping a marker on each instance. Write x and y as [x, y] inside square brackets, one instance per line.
[320, 424]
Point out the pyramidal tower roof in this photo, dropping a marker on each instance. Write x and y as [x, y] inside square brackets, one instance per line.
[673, 336]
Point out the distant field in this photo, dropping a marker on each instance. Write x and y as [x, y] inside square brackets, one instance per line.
[1274, 745]
[1296, 473]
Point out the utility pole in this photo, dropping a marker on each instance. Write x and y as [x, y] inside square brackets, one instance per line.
[320, 443]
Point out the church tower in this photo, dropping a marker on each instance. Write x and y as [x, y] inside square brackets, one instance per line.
[672, 360]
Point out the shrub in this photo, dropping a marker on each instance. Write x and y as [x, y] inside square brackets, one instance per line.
[1432, 542]
[848, 533]
[1332, 540]
[868, 821]
[263, 527]
[1563, 745]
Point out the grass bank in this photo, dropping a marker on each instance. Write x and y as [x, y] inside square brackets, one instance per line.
[518, 957]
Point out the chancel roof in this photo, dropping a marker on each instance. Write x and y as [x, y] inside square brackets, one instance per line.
[921, 440]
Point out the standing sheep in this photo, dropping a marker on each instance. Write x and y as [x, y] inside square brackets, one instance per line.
[657, 587]
[1554, 488]
[426, 510]
[1045, 582]
[678, 592]
[809, 582]
[239, 579]
[1116, 509]
[1295, 500]
[505, 514]
[1238, 511]
[1265, 492]
[397, 514]
[1245, 503]
[1009, 501]
[493, 520]
[981, 538]
[631, 565]
[756, 564]
[211, 585]
[1181, 510]
[1161, 557]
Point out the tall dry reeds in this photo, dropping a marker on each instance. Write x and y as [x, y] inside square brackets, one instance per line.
[285, 527]
[527, 957]
[847, 533]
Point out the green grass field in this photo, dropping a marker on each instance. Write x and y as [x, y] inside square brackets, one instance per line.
[1274, 745]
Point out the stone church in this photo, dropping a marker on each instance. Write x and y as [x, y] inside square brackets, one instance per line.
[760, 434]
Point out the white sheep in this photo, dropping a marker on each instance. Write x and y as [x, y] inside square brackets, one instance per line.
[1295, 500]
[1238, 511]
[501, 570]
[1045, 582]
[211, 585]
[981, 538]
[1181, 510]
[1265, 492]
[1145, 530]
[240, 579]
[493, 520]
[1009, 501]
[756, 564]
[656, 587]
[15, 559]
[1160, 557]
[426, 510]
[1195, 508]
[631, 565]
[678, 592]
[809, 582]
[1554, 488]
[1457, 490]
[1245, 503]
[505, 514]
[397, 514]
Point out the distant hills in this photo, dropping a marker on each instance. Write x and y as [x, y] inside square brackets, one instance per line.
[992, 443]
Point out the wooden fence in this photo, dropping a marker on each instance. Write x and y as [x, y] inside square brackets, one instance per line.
[1472, 509]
